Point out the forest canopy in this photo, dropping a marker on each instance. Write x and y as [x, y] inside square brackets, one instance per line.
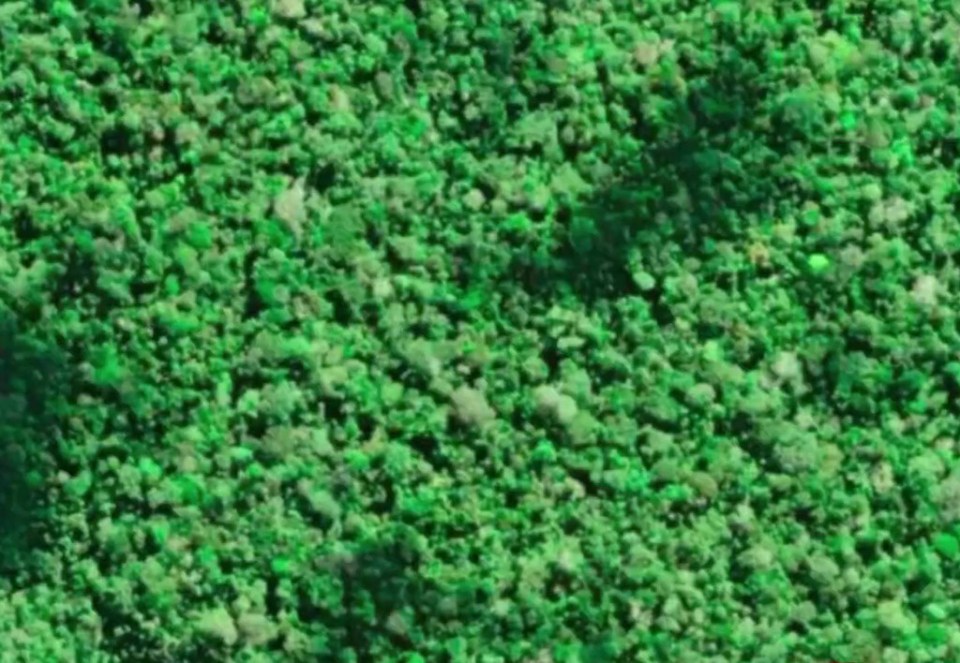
[536, 331]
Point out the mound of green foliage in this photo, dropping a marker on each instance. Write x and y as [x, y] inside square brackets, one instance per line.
[479, 331]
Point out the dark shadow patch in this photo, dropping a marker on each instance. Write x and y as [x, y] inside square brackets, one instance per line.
[116, 141]
[323, 177]
[253, 306]
[703, 174]
[704, 169]
[415, 7]
[33, 378]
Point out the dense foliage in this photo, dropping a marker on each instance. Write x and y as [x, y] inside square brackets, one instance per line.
[479, 331]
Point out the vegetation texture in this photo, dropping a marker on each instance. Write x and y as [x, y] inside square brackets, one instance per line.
[479, 331]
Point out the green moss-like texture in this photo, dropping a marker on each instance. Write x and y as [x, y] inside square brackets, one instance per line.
[540, 331]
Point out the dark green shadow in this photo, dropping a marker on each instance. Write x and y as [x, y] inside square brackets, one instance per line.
[33, 380]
